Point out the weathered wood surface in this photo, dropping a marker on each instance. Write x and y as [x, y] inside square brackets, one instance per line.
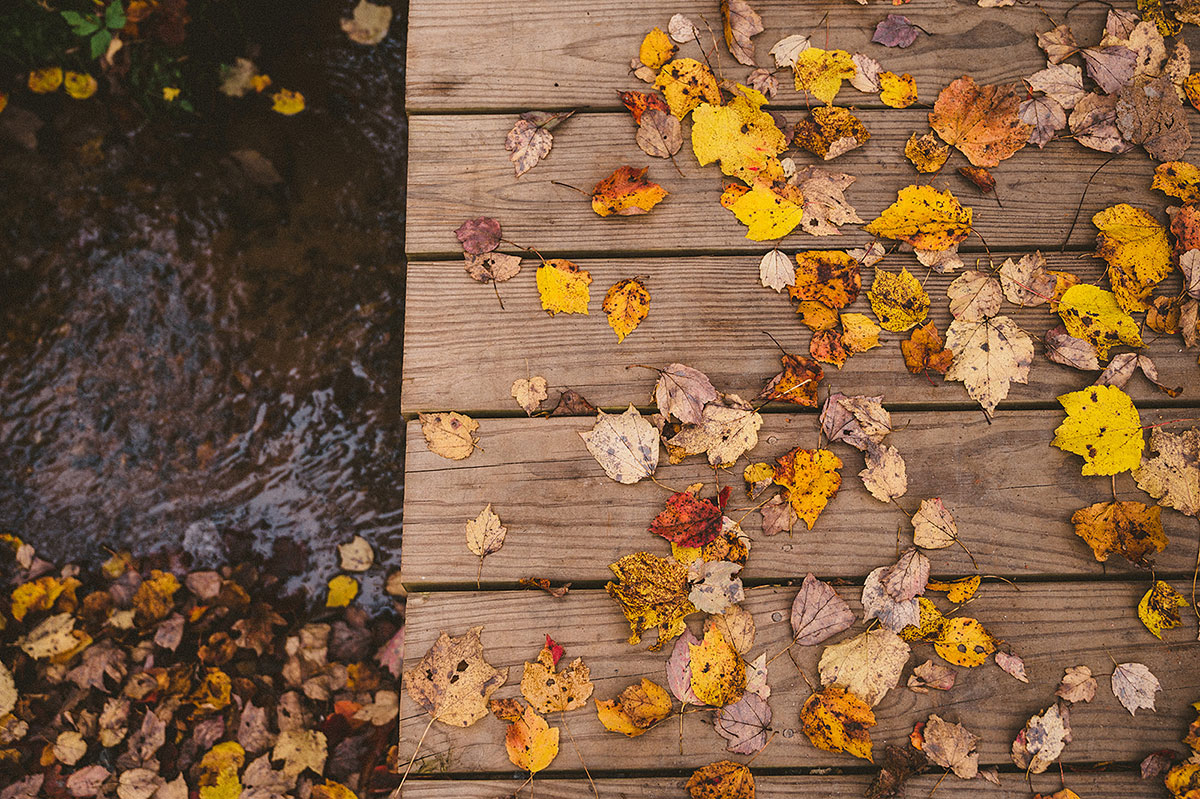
[1051, 625]
[473, 54]
[462, 351]
[459, 170]
[1011, 492]
[1012, 786]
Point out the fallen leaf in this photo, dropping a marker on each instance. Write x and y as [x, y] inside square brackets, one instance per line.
[1026, 281]
[656, 49]
[682, 392]
[342, 590]
[530, 393]
[744, 724]
[761, 80]
[924, 352]
[924, 217]
[933, 525]
[775, 271]
[1159, 608]
[450, 435]
[895, 31]
[878, 604]
[818, 612]
[1135, 246]
[726, 432]
[974, 296]
[1157, 763]
[1149, 113]
[369, 25]
[868, 665]
[1129, 528]
[627, 303]
[1178, 179]
[626, 192]
[721, 780]
[964, 642]
[1012, 664]
[1078, 685]
[741, 23]
[989, 355]
[787, 49]
[300, 750]
[639, 103]
[527, 143]
[931, 675]
[1061, 347]
[685, 83]
[687, 520]
[625, 445]
[906, 578]
[1058, 44]
[1103, 427]
[897, 91]
[740, 136]
[765, 213]
[453, 695]
[635, 710]
[532, 744]
[811, 478]
[1044, 116]
[652, 592]
[1134, 686]
[1094, 314]
[492, 267]
[778, 515]
[836, 720]
[866, 73]
[981, 121]
[478, 236]
[951, 746]
[831, 277]
[828, 132]
[898, 301]
[548, 690]
[1093, 123]
[659, 133]
[821, 72]
[737, 625]
[885, 476]
[682, 29]
[1111, 66]
[1173, 476]
[1062, 83]
[1183, 780]
[53, 636]
[1043, 739]
[718, 672]
[926, 153]
[356, 555]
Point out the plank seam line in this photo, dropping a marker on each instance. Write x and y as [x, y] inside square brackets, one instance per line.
[471, 111]
[439, 256]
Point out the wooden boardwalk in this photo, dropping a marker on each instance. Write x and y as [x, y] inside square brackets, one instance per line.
[473, 66]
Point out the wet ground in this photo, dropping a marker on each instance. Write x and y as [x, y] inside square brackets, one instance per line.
[194, 358]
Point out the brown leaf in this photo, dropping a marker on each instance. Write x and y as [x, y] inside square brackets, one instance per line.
[797, 383]
[572, 403]
[741, 23]
[1111, 67]
[479, 235]
[450, 693]
[931, 675]
[1093, 123]
[659, 133]
[1078, 685]
[818, 612]
[951, 746]
[1149, 113]
[492, 266]
[981, 121]
[527, 144]
[1062, 347]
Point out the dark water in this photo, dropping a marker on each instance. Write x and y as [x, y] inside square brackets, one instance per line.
[191, 360]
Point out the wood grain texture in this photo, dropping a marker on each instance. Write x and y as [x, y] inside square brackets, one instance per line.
[472, 54]
[459, 170]
[462, 351]
[1012, 786]
[1051, 625]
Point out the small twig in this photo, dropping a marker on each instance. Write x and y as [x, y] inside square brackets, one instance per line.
[1086, 186]
[562, 715]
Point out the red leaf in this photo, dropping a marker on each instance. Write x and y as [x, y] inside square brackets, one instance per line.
[556, 651]
[688, 521]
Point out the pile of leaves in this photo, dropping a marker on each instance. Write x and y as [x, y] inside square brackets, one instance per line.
[144, 680]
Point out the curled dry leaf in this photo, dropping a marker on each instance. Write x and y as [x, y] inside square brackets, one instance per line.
[682, 29]
[797, 383]
[625, 446]
[1159, 608]
[931, 675]
[828, 132]
[636, 709]
[741, 23]
[1012, 664]
[818, 612]
[775, 271]
[981, 121]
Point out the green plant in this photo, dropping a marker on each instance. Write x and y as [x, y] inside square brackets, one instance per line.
[96, 28]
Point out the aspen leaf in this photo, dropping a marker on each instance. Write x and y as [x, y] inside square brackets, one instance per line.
[727, 430]
[988, 356]
[821, 72]
[530, 393]
[981, 121]
[652, 592]
[1183, 780]
[1062, 83]
[1013, 665]
[741, 137]
[740, 23]
[532, 744]
[787, 49]
[926, 153]
[836, 720]
[1058, 44]
[924, 217]
[958, 591]
[744, 724]
[682, 392]
[1103, 427]
[811, 478]
[679, 668]
[766, 213]
[721, 780]
[963, 642]
[342, 590]
[69, 747]
[718, 672]
[1137, 251]
[485, 534]
[1129, 528]
[625, 192]
[1134, 686]
[775, 271]
[450, 435]
[878, 604]
[868, 665]
[933, 525]
[907, 577]
[897, 91]
[828, 132]
[450, 694]
[1159, 608]
[898, 301]
[548, 690]
[924, 351]
[685, 83]
[1178, 179]
[1042, 740]
[625, 445]
[1173, 476]
[656, 49]
[659, 133]
[831, 277]
[626, 304]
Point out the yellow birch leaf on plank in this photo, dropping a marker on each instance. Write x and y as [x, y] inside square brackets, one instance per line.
[718, 671]
[897, 91]
[532, 744]
[636, 709]
[836, 720]
[958, 591]
[652, 592]
[963, 642]
[685, 83]
[1159, 608]
[1103, 427]
[741, 136]
[563, 287]
[899, 301]
[450, 435]
[626, 192]
[1135, 246]
[859, 333]
[1093, 314]
[821, 72]
[811, 478]
[1178, 179]
[657, 49]
[1132, 529]
[627, 303]
[924, 217]
[766, 213]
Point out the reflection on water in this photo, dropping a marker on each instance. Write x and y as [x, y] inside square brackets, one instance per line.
[193, 356]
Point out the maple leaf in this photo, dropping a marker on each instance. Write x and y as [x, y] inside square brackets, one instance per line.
[825, 206]
[656, 49]
[828, 132]
[811, 478]
[924, 217]
[1134, 686]
[744, 724]
[821, 72]
[682, 392]
[898, 301]
[740, 136]
[1043, 739]
[924, 351]
[718, 672]
[1130, 528]
[1173, 476]
[897, 91]
[625, 445]
[974, 296]
[878, 604]
[868, 665]
[687, 520]
[652, 592]
[831, 277]
[931, 675]
[685, 83]
[531, 743]
[1078, 685]
[926, 153]
[988, 356]
[766, 213]
[1103, 427]
[1159, 608]
[836, 720]
[450, 694]
[450, 435]
[1135, 246]
[981, 121]
[548, 690]
[727, 430]
[626, 192]
[721, 780]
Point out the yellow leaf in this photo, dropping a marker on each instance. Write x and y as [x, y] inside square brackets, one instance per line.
[45, 80]
[1093, 314]
[766, 213]
[53, 637]
[743, 138]
[1103, 427]
[924, 217]
[821, 72]
[657, 49]
[836, 720]
[721, 780]
[637, 709]
[155, 597]
[260, 82]
[651, 591]
[41, 594]
[79, 85]
[301, 749]
[897, 91]
[811, 478]
[831, 277]
[859, 333]
[958, 591]
[685, 83]
[626, 192]
[170, 93]
[1178, 179]
[548, 690]
[626, 304]
[287, 102]
[929, 622]
[899, 301]
[563, 287]
[1130, 528]
[1159, 608]
[1183, 780]
[1138, 253]
[610, 715]
[829, 132]
[218, 771]
[342, 590]
[331, 789]
[926, 153]
[214, 692]
[531, 743]
[963, 642]
[718, 671]
[450, 435]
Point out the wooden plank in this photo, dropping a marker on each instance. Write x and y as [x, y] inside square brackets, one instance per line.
[462, 351]
[1051, 625]
[459, 169]
[473, 54]
[1114, 785]
[1012, 493]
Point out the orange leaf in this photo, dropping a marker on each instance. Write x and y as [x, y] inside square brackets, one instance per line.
[626, 192]
[981, 121]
